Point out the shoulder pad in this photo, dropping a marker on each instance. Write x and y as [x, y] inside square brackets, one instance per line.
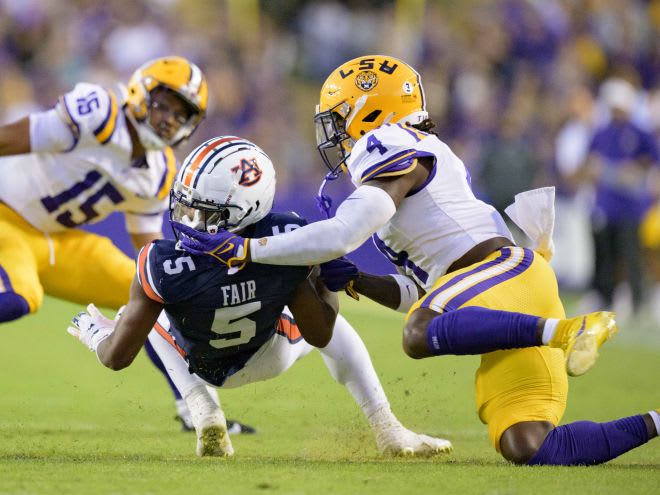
[386, 151]
[90, 109]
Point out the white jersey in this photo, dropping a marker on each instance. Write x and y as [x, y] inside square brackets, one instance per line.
[436, 225]
[83, 172]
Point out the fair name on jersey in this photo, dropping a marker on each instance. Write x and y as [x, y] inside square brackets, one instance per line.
[238, 293]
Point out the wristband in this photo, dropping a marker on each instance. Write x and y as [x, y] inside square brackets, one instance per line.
[408, 292]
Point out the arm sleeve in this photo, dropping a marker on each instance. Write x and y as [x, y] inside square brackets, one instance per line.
[48, 132]
[357, 218]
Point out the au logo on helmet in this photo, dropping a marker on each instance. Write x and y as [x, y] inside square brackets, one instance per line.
[250, 172]
[366, 80]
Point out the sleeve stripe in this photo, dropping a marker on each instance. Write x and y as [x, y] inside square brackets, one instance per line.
[107, 128]
[168, 175]
[68, 120]
[144, 275]
[392, 164]
[166, 335]
[399, 171]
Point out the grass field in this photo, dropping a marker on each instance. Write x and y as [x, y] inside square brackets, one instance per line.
[68, 425]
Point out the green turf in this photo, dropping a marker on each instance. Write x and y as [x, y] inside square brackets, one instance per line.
[68, 425]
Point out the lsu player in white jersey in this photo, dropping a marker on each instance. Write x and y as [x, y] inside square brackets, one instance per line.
[466, 286]
[96, 152]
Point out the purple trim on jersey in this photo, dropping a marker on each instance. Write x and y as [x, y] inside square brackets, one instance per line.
[422, 154]
[207, 159]
[413, 134]
[400, 161]
[5, 280]
[400, 259]
[101, 127]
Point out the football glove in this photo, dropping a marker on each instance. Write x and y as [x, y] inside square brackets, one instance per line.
[228, 248]
[339, 274]
[91, 327]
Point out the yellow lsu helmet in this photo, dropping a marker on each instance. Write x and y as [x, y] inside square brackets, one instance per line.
[178, 75]
[361, 95]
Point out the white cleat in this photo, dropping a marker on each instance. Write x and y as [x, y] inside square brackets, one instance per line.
[212, 437]
[210, 425]
[401, 442]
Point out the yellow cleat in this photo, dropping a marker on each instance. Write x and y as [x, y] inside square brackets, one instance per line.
[581, 337]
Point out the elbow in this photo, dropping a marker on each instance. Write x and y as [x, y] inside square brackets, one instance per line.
[116, 363]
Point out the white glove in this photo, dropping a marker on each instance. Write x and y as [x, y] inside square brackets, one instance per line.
[91, 327]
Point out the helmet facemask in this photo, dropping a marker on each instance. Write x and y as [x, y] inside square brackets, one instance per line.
[333, 142]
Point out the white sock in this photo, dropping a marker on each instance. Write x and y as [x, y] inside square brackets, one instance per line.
[549, 330]
[349, 363]
[655, 416]
[175, 365]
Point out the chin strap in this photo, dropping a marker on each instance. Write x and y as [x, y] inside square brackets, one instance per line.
[323, 201]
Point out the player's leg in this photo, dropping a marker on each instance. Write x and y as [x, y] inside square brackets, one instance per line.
[440, 323]
[349, 364]
[201, 399]
[581, 442]
[22, 249]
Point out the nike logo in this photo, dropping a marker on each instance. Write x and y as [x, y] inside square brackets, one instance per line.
[581, 330]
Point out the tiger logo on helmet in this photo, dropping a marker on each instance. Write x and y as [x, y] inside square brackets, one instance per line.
[226, 183]
[175, 74]
[361, 95]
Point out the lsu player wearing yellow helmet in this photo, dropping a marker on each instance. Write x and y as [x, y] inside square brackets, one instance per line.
[466, 286]
[97, 151]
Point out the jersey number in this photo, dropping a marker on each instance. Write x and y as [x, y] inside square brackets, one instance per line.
[107, 190]
[178, 265]
[374, 144]
[233, 326]
[88, 103]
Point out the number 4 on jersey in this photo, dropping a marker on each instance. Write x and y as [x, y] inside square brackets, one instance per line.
[374, 144]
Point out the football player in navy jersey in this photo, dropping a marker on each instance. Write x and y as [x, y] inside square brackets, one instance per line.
[231, 326]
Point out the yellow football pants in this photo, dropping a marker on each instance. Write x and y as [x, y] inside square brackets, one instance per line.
[512, 386]
[74, 265]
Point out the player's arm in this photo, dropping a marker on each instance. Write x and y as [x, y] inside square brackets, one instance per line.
[15, 137]
[315, 310]
[397, 292]
[138, 318]
[117, 342]
[360, 215]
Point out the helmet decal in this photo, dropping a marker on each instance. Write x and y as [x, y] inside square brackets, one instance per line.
[250, 172]
[366, 80]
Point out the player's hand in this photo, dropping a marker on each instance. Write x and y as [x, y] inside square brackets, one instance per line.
[226, 247]
[91, 327]
[339, 274]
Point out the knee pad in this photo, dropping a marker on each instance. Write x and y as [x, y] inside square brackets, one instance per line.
[12, 306]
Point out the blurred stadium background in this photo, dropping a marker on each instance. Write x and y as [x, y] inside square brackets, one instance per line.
[513, 85]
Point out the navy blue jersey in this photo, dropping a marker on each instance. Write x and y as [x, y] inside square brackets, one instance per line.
[220, 320]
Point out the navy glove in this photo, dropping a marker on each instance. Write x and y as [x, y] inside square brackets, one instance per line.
[339, 274]
[226, 247]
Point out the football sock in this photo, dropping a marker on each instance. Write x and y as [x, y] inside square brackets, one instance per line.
[12, 306]
[349, 363]
[588, 443]
[655, 416]
[175, 366]
[475, 330]
[151, 353]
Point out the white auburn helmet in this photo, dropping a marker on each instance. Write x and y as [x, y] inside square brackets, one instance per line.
[225, 183]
